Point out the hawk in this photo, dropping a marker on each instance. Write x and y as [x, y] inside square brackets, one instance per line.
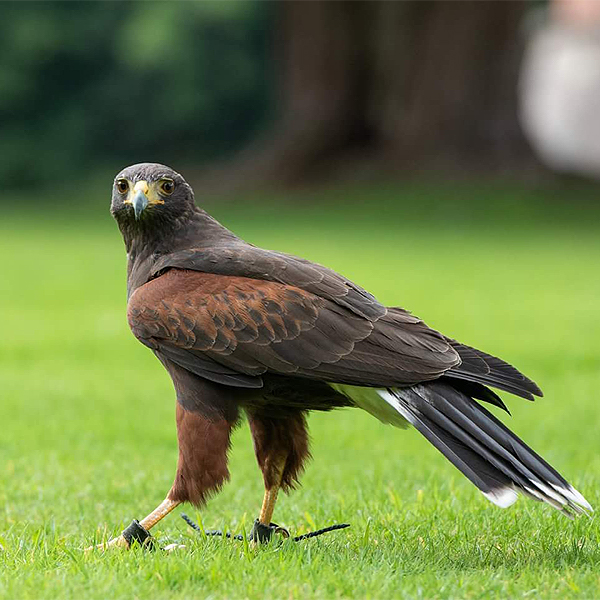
[242, 329]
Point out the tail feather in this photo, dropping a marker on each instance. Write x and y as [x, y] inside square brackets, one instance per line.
[494, 452]
[477, 390]
[469, 462]
[482, 448]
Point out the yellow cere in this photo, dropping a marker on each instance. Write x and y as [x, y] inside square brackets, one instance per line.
[150, 191]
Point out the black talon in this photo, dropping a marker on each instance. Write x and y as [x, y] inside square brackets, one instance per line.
[281, 530]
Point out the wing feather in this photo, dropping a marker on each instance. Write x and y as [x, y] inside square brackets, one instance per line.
[250, 327]
[244, 260]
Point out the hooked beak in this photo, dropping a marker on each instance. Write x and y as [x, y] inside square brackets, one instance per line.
[140, 198]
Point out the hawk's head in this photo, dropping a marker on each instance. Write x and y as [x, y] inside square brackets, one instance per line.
[147, 192]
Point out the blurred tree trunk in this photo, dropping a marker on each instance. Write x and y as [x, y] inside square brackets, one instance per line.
[415, 84]
[456, 96]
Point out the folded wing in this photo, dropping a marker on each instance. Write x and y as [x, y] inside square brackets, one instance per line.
[234, 329]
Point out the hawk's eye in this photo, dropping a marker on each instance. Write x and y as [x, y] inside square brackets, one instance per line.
[122, 186]
[166, 186]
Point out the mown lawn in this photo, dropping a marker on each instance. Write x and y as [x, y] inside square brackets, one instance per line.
[87, 437]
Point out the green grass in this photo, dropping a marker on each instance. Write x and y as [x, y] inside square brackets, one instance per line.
[88, 442]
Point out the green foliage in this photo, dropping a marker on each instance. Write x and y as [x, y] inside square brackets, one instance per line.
[88, 84]
[88, 434]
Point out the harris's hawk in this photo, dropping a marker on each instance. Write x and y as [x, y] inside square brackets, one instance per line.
[239, 328]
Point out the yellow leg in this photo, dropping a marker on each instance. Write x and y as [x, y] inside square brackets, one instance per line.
[159, 513]
[268, 505]
[270, 497]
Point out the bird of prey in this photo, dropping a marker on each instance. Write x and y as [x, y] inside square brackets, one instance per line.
[239, 328]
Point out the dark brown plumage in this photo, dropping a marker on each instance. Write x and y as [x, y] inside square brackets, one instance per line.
[242, 328]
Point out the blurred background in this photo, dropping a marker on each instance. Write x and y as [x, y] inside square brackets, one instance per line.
[444, 155]
[250, 94]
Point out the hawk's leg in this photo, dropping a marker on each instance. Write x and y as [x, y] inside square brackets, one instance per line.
[204, 442]
[159, 513]
[271, 491]
[202, 466]
[281, 447]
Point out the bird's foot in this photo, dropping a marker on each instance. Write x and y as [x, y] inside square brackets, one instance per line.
[262, 534]
[134, 534]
